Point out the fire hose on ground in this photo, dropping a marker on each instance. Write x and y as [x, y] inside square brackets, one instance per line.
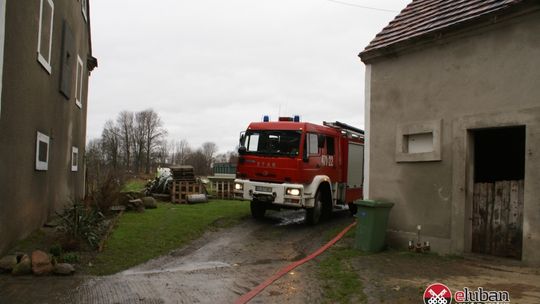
[255, 291]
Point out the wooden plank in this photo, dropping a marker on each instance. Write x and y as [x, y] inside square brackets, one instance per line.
[505, 212]
[223, 189]
[490, 202]
[498, 218]
[497, 221]
[477, 219]
[181, 189]
[487, 213]
[517, 242]
[513, 217]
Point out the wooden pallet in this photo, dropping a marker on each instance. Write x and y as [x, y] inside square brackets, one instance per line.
[181, 190]
[183, 173]
[223, 189]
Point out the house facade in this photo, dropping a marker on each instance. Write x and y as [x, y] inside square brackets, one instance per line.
[45, 61]
[453, 126]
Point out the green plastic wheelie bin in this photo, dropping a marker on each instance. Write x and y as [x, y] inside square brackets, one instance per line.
[372, 218]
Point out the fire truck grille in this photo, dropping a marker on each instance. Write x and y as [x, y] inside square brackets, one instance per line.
[263, 189]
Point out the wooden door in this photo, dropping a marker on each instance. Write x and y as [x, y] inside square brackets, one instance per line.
[497, 227]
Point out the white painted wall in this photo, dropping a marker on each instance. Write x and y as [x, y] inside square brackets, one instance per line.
[367, 125]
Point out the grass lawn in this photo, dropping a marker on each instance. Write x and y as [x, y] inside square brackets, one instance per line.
[134, 185]
[143, 236]
[339, 281]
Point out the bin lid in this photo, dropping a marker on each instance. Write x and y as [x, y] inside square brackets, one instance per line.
[374, 203]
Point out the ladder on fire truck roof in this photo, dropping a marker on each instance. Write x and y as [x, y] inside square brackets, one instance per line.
[345, 127]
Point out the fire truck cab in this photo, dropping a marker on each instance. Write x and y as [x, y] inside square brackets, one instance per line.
[292, 164]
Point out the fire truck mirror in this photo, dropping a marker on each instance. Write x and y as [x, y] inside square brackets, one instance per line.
[242, 150]
[242, 139]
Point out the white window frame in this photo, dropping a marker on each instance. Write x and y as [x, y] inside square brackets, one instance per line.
[45, 62]
[74, 150]
[42, 165]
[79, 82]
[408, 130]
[84, 9]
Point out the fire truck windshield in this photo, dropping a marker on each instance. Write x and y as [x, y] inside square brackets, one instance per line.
[272, 142]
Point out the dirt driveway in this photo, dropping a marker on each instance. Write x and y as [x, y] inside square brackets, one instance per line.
[223, 265]
[217, 268]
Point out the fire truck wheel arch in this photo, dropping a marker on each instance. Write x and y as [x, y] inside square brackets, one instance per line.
[311, 189]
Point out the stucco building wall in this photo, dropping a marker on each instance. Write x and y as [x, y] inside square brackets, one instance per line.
[31, 102]
[482, 77]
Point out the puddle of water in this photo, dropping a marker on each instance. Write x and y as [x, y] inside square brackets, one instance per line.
[182, 268]
[291, 221]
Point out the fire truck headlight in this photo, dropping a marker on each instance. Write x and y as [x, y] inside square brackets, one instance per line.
[293, 191]
[238, 186]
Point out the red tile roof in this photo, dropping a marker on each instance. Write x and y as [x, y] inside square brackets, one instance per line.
[421, 17]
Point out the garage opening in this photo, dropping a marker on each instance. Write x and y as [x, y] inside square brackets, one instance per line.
[499, 171]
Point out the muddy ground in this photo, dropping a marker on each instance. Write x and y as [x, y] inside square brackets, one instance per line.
[223, 265]
[217, 268]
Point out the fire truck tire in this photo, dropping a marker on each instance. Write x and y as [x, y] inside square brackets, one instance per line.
[257, 209]
[313, 215]
[353, 208]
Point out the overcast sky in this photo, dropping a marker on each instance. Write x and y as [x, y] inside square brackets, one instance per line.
[209, 67]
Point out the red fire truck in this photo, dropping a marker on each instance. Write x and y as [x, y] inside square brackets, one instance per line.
[292, 164]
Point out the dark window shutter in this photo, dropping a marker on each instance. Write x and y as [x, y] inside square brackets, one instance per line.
[68, 60]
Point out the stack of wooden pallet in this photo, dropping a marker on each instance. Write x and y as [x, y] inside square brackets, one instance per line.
[222, 185]
[183, 173]
[184, 184]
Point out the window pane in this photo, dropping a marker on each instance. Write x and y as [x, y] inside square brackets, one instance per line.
[78, 81]
[419, 143]
[273, 142]
[42, 156]
[46, 30]
[313, 144]
[253, 142]
[330, 145]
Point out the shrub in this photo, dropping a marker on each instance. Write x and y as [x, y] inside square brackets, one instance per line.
[56, 250]
[71, 257]
[107, 192]
[80, 223]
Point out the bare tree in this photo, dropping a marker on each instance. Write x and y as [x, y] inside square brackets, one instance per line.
[197, 159]
[153, 133]
[233, 157]
[110, 143]
[180, 152]
[162, 152]
[95, 160]
[139, 139]
[208, 150]
[125, 125]
[221, 158]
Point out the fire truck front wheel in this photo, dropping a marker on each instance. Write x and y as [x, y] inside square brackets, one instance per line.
[257, 209]
[313, 215]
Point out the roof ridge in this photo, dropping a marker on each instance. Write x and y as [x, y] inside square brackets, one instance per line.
[421, 17]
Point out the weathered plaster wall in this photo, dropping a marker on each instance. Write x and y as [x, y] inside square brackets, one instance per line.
[31, 102]
[484, 78]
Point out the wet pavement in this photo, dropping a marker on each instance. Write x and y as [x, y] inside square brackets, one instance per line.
[217, 268]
